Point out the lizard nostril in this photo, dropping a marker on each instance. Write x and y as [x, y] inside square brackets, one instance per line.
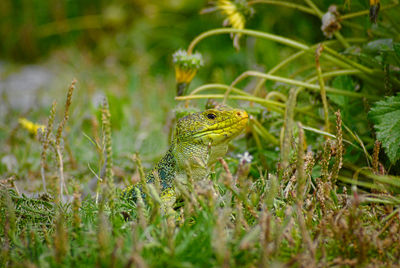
[241, 114]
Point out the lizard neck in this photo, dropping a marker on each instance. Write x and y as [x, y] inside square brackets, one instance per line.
[182, 158]
[165, 169]
[196, 158]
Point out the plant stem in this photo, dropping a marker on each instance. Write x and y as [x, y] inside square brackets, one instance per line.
[364, 12]
[61, 172]
[285, 4]
[68, 25]
[348, 61]
[272, 105]
[276, 68]
[219, 87]
[264, 132]
[340, 61]
[337, 34]
[241, 92]
[287, 128]
[324, 133]
[266, 102]
[308, 85]
[277, 38]
[315, 8]
[276, 94]
[322, 87]
[295, 56]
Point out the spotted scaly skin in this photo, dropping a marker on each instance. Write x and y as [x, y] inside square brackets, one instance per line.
[199, 140]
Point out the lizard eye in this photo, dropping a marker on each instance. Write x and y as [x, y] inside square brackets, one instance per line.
[211, 116]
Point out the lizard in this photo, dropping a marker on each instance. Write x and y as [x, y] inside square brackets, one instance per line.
[198, 141]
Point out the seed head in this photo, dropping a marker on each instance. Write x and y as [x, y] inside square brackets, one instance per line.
[331, 22]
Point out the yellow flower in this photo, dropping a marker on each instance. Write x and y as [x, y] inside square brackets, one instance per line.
[186, 66]
[235, 12]
[234, 16]
[30, 126]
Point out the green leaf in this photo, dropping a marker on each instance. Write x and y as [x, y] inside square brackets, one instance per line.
[386, 116]
[379, 45]
[396, 47]
[343, 82]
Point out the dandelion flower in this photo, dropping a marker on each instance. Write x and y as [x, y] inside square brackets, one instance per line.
[236, 12]
[186, 66]
[30, 126]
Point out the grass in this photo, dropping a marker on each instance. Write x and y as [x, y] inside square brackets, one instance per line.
[318, 189]
[234, 219]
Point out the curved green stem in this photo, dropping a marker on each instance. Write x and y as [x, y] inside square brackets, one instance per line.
[315, 8]
[365, 12]
[323, 95]
[263, 132]
[218, 86]
[354, 14]
[285, 4]
[335, 73]
[277, 38]
[276, 94]
[273, 105]
[286, 61]
[285, 80]
[296, 55]
[236, 81]
[289, 42]
[238, 91]
[308, 85]
[337, 34]
[278, 67]
[348, 61]
[324, 133]
[329, 74]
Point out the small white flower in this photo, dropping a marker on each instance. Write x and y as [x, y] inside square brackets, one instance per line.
[245, 158]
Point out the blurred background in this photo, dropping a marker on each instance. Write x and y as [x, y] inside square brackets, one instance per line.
[123, 49]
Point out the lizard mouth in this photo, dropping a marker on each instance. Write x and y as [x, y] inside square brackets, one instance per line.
[225, 132]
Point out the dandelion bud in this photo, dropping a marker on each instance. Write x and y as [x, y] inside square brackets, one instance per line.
[186, 66]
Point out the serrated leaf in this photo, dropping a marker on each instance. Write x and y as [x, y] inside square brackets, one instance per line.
[386, 117]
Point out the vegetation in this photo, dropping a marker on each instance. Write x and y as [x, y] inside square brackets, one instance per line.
[314, 181]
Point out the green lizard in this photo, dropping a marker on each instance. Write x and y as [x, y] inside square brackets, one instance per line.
[199, 140]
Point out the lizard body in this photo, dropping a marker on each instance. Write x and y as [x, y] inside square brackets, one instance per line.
[199, 140]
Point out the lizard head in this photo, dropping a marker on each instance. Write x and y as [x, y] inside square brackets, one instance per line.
[211, 127]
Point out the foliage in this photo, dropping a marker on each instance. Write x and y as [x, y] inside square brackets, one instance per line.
[307, 185]
[386, 116]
